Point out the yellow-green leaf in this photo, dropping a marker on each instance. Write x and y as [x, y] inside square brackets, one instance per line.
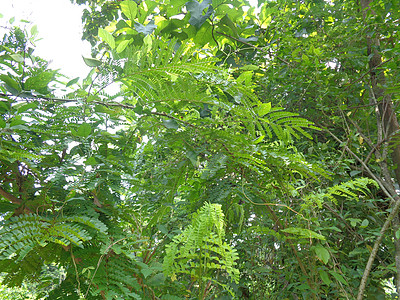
[107, 37]
[129, 8]
[121, 47]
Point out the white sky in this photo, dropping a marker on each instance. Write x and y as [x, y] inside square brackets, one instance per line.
[60, 27]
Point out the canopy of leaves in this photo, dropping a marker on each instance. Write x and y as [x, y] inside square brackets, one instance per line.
[217, 150]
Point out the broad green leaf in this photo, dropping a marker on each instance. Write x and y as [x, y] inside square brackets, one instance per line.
[146, 272]
[129, 8]
[84, 130]
[245, 77]
[107, 37]
[148, 41]
[4, 107]
[10, 82]
[34, 30]
[72, 81]
[325, 277]
[249, 68]
[398, 234]
[26, 106]
[338, 277]
[39, 81]
[364, 223]
[249, 39]
[353, 222]
[358, 251]
[264, 108]
[355, 173]
[92, 62]
[121, 47]
[91, 161]
[197, 18]
[170, 124]
[162, 228]
[322, 253]
[193, 158]
[170, 297]
[2, 123]
[17, 58]
[228, 26]
[203, 35]
[17, 123]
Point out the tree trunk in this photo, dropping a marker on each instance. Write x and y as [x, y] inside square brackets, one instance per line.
[387, 118]
[396, 226]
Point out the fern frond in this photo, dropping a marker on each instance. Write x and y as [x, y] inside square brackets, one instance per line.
[205, 233]
[347, 190]
[21, 234]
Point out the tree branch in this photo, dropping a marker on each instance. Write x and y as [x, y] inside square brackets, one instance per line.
[107, 104]
[10, 197]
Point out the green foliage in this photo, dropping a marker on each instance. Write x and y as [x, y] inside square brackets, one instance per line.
[20, 235]
[213, 115]
[346, 190]
[200, 250]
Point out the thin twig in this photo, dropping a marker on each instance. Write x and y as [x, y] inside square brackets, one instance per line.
[76, 272]
[272, 204]
[99, 262]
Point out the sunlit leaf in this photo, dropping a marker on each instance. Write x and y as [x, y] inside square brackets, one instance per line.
[84, 130]
[72, 81]
[121, 46]
[92, 62]
[129, 8]
[107, 37]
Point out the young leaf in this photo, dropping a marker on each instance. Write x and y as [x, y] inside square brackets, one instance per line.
[91, 161]
[364, 223]
[17, 58]
[121, 47]
[129, 8]
[107, 37]
[10, 82]
[245, 77]
[264, 108]
[34, 30]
